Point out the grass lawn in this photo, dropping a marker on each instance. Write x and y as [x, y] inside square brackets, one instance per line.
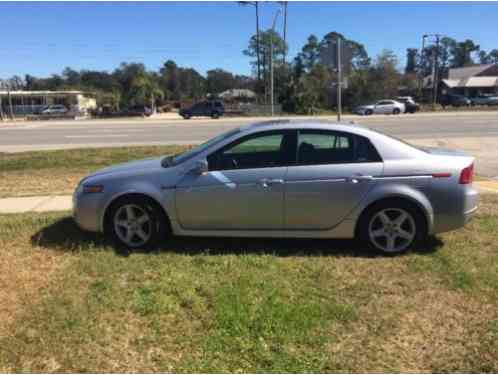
[58, 172]
[69, 302]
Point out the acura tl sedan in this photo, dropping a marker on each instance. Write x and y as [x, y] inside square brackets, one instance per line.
[284, 179]
[386, 107]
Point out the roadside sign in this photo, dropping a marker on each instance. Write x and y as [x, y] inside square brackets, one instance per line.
[328, 56]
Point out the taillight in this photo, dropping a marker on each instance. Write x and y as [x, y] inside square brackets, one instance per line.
[467, 175]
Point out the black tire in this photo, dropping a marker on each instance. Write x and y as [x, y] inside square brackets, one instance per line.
[215, 115]
[368, 112]
[396, 111]
[159, 224]
[186, 116]
[419, 220]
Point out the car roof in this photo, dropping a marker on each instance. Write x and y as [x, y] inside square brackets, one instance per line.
[307, 124]
[389, 147]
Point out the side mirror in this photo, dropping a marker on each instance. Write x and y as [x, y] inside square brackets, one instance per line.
[200, 167]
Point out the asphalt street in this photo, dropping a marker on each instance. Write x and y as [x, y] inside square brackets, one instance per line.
[476, 132]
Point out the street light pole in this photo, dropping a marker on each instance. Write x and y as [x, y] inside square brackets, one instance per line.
[271, 64]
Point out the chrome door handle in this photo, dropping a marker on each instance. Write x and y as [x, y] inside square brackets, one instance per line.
[275, 181]
[265, 182]
[359, 178]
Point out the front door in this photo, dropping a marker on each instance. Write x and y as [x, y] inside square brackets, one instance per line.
[243, 189]
[333, 172]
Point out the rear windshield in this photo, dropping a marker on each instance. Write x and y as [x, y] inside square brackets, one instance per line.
[400, 140]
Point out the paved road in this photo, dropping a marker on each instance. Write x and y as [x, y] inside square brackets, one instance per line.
[477, 132]
[56, 134]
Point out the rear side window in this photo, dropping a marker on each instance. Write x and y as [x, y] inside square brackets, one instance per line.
[365, 151]
[324, 147]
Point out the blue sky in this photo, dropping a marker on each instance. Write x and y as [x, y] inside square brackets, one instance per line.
[43, 38]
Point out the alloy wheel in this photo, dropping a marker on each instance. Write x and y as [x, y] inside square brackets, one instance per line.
[132, 225]
[392, 230]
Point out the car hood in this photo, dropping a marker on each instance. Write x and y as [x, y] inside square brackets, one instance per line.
[132, 166]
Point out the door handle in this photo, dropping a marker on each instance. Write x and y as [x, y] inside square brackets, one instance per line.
[360, 178]
[265, 182]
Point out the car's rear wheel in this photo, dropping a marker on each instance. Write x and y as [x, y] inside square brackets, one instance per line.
[392, 227]
[136, 222]
[186, 116]
[396, 111]
[215, 115]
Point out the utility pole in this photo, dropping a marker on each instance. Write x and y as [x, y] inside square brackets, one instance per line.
[421, 69]
[272, 99]
[1, 102]
[436, 75]
[257, 41]
[285, 30]
[339, 80]
[11, 110]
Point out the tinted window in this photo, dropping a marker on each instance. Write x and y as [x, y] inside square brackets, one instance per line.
[322, 147]
[256, 151]
[365, 151]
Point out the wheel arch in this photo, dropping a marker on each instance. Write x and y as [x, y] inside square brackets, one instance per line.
[416, 199]
[132, 194]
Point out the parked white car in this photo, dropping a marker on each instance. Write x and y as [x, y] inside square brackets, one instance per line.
[54, 109]
[385, 107]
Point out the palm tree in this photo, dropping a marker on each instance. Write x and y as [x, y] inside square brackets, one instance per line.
[256, 6]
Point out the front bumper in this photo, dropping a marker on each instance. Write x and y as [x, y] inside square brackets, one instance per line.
[86, 211]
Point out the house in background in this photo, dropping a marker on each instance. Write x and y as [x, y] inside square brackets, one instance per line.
[471, 81]
[23, 103]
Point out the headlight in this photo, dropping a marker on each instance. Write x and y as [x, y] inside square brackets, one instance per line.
[93, 188]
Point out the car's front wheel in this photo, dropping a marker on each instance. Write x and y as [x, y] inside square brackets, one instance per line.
[215, 115]
[392, 227]
[396, 111]
[136, 222]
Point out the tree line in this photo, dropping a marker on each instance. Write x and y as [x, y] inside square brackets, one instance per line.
[304, 84]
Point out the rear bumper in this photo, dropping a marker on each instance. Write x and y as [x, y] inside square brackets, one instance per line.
[462, 213]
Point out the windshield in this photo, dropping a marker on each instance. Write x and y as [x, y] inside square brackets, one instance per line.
[171, 160]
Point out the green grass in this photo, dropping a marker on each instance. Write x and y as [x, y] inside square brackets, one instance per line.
[70, 302]
[58, 172]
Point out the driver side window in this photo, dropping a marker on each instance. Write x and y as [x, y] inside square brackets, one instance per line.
[255, 151]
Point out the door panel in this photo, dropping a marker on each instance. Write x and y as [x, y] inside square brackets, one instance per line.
[321, 196]
[244, 188]
[333, 172]
[232, 199]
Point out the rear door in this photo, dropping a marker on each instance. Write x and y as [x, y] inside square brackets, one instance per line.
[332, 173]
[384, 106]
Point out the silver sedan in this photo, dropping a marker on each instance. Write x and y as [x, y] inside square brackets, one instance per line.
[284, 179]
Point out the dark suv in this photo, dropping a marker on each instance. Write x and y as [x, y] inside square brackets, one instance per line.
[212, 109]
